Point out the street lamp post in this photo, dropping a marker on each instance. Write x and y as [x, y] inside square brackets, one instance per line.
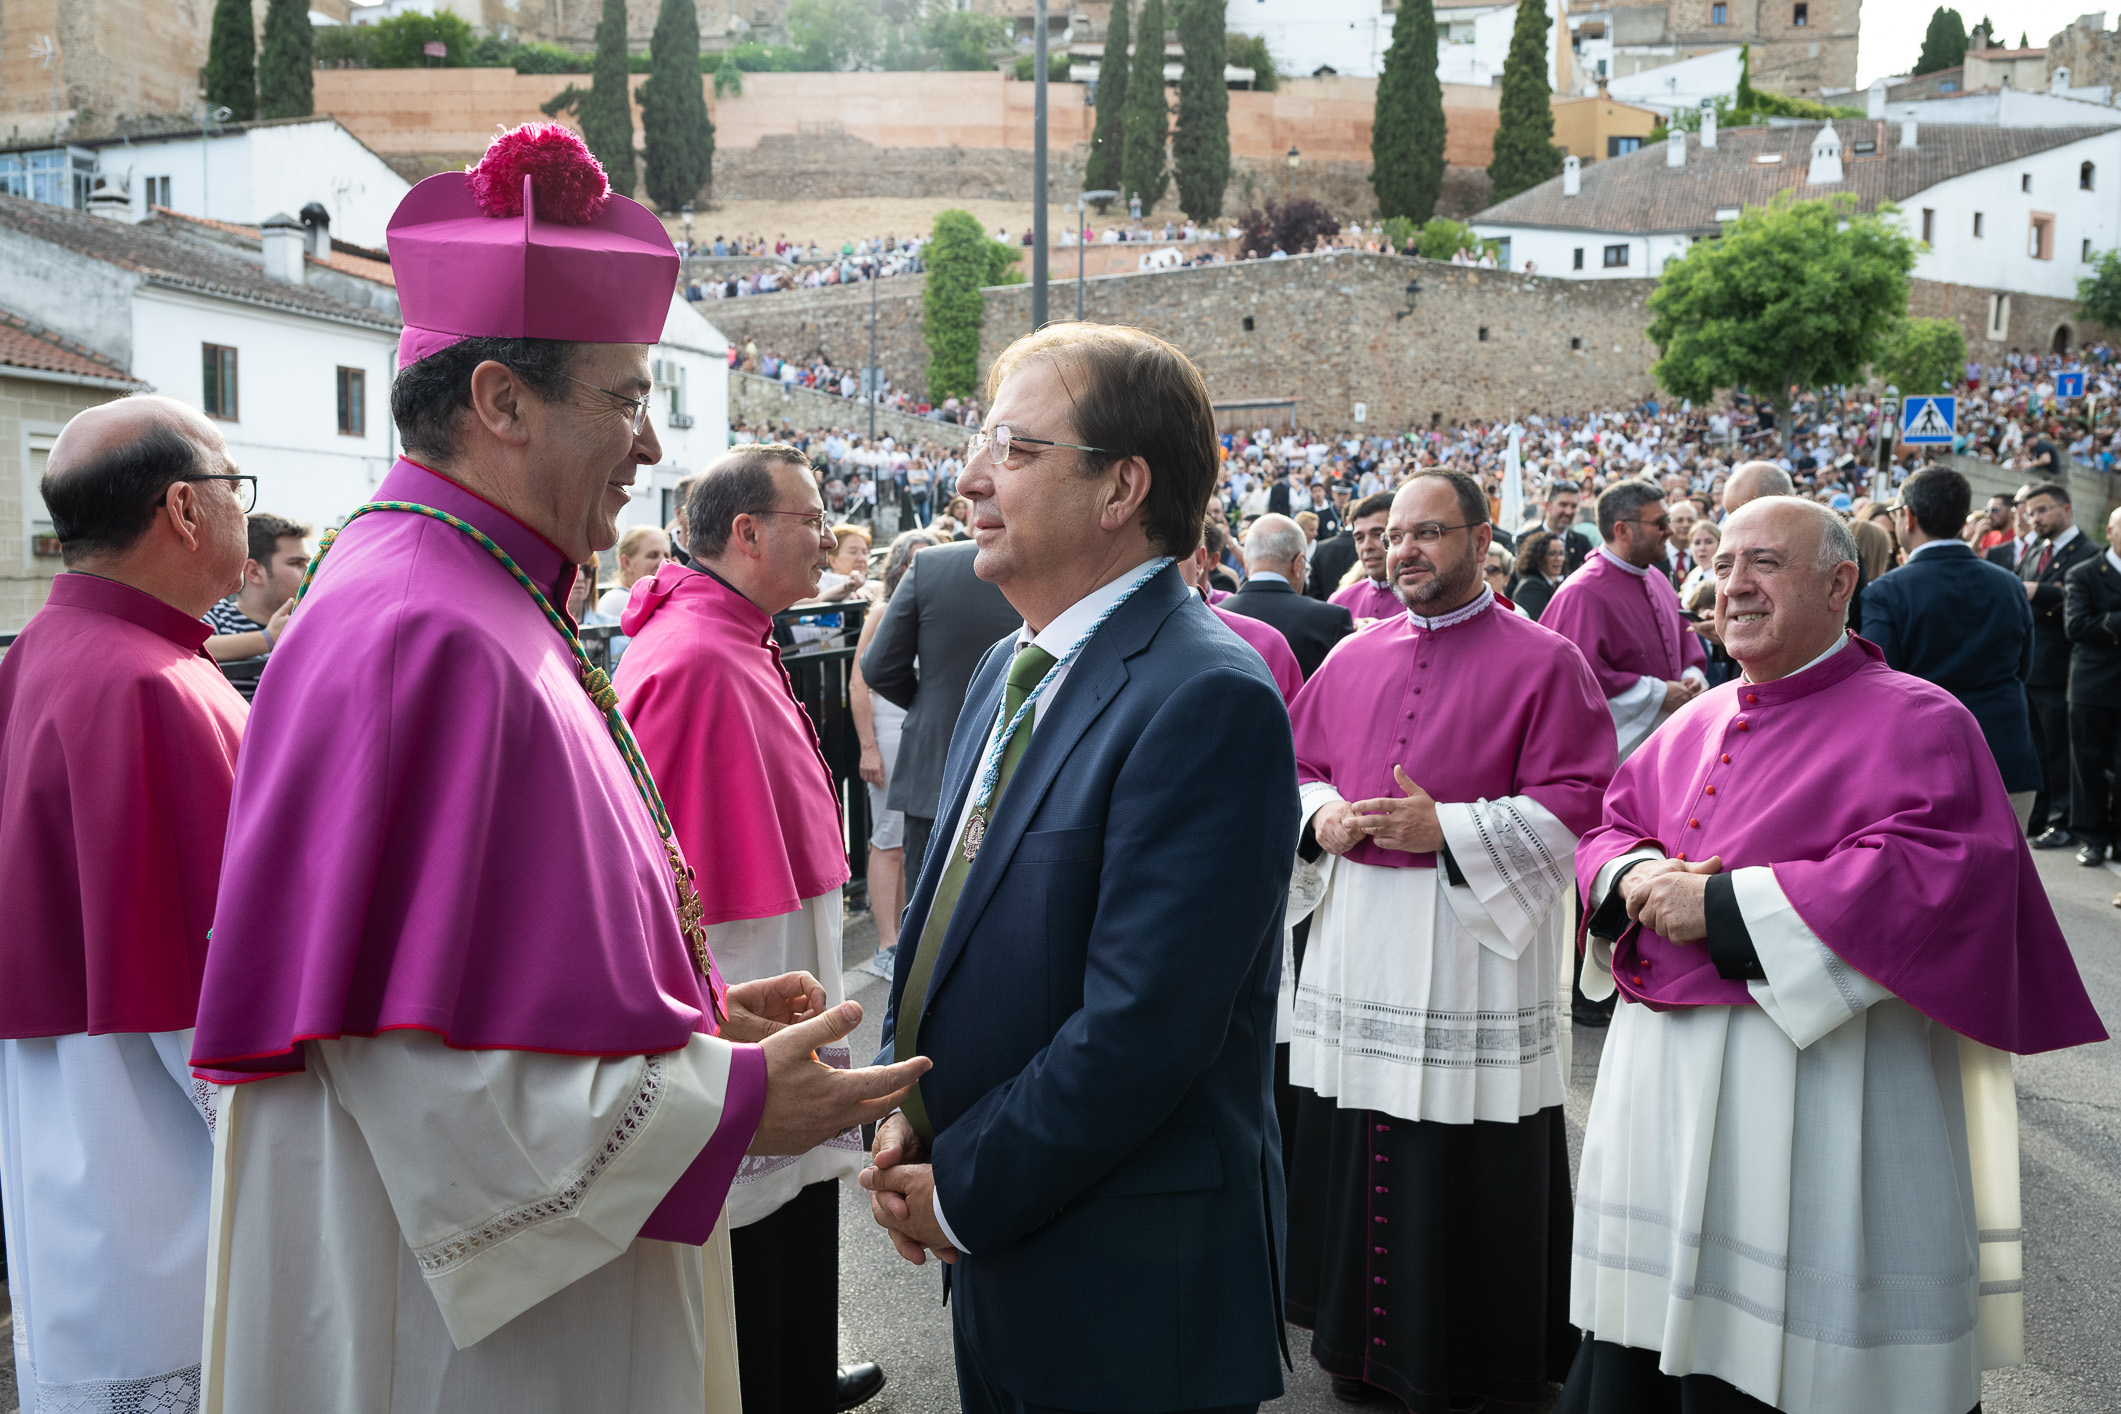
[1082, 239]
[1888, 428]
[1294, 156]
[686, 212]
[1038, 167]
[872, 380]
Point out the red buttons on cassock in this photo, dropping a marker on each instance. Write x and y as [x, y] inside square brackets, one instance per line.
[1726, 758]
[1382, 1128]
[1682, 858]
[1636, 980]
[1740, 724]
[1693, 824]
[1708, 790]
[1751, 698]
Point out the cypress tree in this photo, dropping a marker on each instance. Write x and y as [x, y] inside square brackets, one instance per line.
[284, 69]
[1146, 120]
[1944, 43]
[1407, 133]
[606, 113]
[676, 134]
[1525, 154]
[1200, 154]
[232, 61]
[1101, 171]
[959, 259]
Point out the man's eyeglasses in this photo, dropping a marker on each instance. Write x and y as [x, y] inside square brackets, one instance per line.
[814, 519]
[1426, 533]
[1662, 522]
[639, 405]
[244, 487]
[1002, 438]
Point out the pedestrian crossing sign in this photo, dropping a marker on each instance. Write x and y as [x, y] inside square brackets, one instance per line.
[2069, 385]
[1929, 421]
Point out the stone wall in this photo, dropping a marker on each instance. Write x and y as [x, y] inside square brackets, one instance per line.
[2092, 493]
[762, 402]
[1330, 331]
[2036, 321]
[2092, 55]
[125, 66]
[825, 166]
[31, 410]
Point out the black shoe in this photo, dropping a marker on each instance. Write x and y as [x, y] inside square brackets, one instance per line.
[2092, 855]
[1355, 1391]
[1589, 1014]
[2055, 838]
[859, 1384]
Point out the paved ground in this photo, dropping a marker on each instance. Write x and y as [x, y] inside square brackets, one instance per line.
[2069, 1108]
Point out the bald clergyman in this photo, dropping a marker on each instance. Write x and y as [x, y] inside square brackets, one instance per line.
[118, 744]
[1799, 1186]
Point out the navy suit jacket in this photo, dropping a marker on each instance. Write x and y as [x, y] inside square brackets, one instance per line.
[1101, 1017]
[1950, 617]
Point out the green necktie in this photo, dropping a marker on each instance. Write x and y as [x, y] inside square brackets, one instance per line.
[1031, 665]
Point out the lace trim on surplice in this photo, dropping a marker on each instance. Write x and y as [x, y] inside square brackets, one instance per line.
[453, 1251]
[176, 1392]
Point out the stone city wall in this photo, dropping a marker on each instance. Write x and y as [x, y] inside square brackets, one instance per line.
[1330, 331]
[759, 403]
[2035, 320]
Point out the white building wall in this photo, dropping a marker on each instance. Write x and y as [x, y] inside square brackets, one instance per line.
[1553, 252]
[1682, 84]
[1999, 258]
[247, 176]
[1348, 36]
[286, 427]
[2007, 108]
[698, 355]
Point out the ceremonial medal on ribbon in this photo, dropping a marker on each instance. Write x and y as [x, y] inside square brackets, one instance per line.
[975, 831]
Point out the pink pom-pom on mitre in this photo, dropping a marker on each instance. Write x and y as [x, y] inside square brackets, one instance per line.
[570, 182]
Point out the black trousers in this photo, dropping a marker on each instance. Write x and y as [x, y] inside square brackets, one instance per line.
[2050, 714]
[2094, 771]
[787, 1278]
[1287, 1098]
[977, 1393]
[1621, 1379]
[918, 828]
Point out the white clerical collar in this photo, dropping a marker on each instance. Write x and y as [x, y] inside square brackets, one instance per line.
[1839, 644]
[1480, 605]
[1642, 573]
[1069, 624]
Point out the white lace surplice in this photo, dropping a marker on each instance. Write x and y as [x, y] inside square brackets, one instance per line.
[1814, 1199]
[106, 1160]
[746, 950]
[1437, 1002]
[404, 1228]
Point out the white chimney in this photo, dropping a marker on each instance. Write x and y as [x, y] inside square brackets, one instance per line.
[111, 204]
[1571, 176]
[282, 240]
[1708, 123]
[2058, 81]
[316, 224]
[1877, 105]
[1907, 134]
[1826, 158]
[1675, 148]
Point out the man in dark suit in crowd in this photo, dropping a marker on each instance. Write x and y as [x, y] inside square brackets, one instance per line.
[1564, 499]
[1335, 550]
[2091, 616]
[1097, 1155]
[2008, 553]
[1333, 515]
[1278, 493]
[1276, 552]
[948, 617]
[1949, 617]
[2060, 549]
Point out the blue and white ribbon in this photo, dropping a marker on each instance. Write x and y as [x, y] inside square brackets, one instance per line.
[990, 774]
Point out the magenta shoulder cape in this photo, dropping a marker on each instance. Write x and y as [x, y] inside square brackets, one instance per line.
[117, 754]
[1267, 641]
[1491, 706]
[1902, 853]
[432, 827]
[1367, 599]
[733, 751]
[1628, 627]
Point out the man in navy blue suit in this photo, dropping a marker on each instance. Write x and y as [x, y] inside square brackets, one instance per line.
[1093, 947]
[1950, 617]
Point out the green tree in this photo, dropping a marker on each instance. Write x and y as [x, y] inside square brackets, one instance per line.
[834, 34]
[402, 43]
[960, 258]
[1983, 35]
[728, 78]
[232, 61]
[605, 112]
[1443, 238]
[1944, 43]
[288, 60]
[1525, 154]
[962, 40]
[1923, 355]
[2099, 293]
[1145, 123]
[1407, 131]
[1795, 293]
[677, 136]
[1399, 230]
[1101, 170]
[1249, 51]
[1200, 153]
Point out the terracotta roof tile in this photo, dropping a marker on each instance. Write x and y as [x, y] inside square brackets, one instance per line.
[25, 345]
[169, 259]
[348, 264]
[1639, 195]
